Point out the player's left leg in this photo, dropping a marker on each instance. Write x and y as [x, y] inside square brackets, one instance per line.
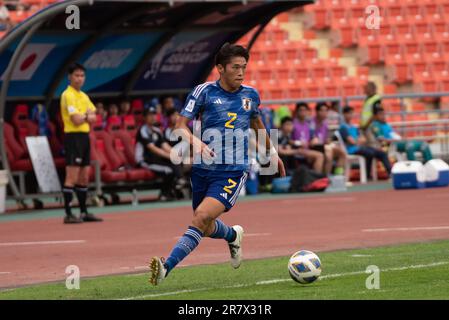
[225, 189]
[81, 189]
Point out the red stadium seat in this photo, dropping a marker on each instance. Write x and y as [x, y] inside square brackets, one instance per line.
[137, 110]
[370, 51]
[114, 123]
[397, 69]
[17, 154]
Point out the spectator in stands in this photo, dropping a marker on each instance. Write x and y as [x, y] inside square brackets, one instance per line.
[372, 101]
[167, 104]
[333, 116]
[321, 141]
[172, 116]
[183, 147]
[125, 107]
[153, 153]
[102, 112]
[357, 143]
[113, 110]
[290, 150]
[5, 21]
[302, 135]
[386, 136]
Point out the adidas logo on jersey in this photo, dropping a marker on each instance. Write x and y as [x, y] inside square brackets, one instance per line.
[218, 101]
[224, 195]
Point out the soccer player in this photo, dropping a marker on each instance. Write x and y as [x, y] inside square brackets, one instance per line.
[223, 106]
[77, 112]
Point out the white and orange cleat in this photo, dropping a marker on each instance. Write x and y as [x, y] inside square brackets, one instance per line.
[157, 270]
[235, 247]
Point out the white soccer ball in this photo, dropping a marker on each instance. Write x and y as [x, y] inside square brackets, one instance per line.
[304, 266]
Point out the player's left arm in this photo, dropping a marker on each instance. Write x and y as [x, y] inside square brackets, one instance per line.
[257, 124]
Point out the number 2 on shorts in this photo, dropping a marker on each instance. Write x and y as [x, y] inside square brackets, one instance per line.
[231, 186]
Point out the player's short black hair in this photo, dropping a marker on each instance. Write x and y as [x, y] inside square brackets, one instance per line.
[321, 105]
[302, 104]
[348, 109]
[228, 51]
[76, 66]
[377, 110]
[285, 120]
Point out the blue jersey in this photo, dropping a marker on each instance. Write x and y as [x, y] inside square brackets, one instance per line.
[349, 130]
[223, 116]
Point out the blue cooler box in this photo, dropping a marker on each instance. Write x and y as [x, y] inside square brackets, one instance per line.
[437, 173]
[408, 175]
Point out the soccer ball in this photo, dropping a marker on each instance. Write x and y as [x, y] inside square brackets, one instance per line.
[304, 266]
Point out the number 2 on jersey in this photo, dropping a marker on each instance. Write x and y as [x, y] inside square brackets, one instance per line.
[233, 116]
[231, 186]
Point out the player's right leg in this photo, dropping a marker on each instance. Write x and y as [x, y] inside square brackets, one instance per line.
[71, 178]
[204, 217]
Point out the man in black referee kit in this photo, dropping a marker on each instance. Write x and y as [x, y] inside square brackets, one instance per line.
[77, 113]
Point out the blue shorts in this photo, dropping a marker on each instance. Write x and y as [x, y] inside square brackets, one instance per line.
[224, 186]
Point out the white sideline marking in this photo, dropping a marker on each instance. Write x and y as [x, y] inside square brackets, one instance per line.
[5, 272]
[361, 255]
[256, 234]
[244, 235]
[264, 282]
[324, 199]
[406, 229]
[11, 244]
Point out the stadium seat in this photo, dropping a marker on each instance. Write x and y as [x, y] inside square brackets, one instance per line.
[17, 154]
[397, 69]
[137, 110]
[98, 153]
[113, 123]
[370, 51]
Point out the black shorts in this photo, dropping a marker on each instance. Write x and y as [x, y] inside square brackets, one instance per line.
[318, 147]
[77, 149]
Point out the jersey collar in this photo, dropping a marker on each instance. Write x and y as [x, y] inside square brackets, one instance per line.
[227, 92]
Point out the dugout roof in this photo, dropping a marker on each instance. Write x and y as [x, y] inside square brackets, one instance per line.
[128, 47]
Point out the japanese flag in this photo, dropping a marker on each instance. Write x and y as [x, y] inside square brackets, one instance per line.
[30, 60]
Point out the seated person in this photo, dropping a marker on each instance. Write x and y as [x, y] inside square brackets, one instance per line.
[320, 141]
[356, 143]
[125, 107]
[290, 149]
[153, 153]
[385, 134]
[183, 147]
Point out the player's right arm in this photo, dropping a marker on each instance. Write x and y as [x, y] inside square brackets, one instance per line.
[194, 103]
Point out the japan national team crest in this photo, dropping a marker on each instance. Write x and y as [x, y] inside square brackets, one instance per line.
[246, 104]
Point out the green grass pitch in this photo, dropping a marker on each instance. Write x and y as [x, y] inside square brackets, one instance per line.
[412, 271]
